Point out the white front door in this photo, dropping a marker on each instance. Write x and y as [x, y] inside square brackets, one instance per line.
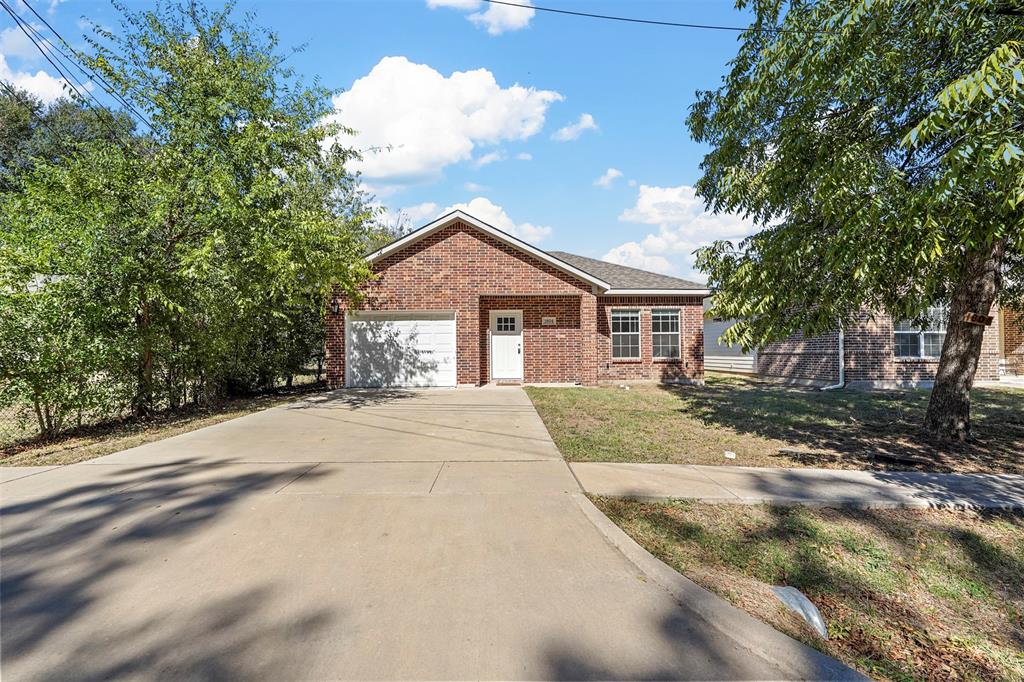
[507, 344]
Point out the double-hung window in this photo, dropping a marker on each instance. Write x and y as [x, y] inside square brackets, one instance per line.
[665, 333]
[625, 334]
[914, 339]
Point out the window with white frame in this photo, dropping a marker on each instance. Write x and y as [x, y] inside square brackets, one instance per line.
[917, 339]
[504, 323]
[665, 333]
[625, 334]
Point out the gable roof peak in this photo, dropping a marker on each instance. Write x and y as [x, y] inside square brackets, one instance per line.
[460, 215]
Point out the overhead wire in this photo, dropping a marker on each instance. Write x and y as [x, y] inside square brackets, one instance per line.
[654, 22]
[86, 71]
[88, 99]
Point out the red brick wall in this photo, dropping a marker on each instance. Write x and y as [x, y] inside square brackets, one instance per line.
[689, 366]
[463, 269]
[550, 354]
[869, 354]
[450, 270]
[811, 359]
[1013, 340]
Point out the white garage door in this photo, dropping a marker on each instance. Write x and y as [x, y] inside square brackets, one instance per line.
[400, 349]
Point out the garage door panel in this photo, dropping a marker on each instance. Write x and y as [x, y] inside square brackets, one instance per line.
[401, 349]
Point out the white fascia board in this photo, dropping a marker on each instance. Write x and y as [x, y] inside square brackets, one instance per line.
[445, 220]
[657, 292]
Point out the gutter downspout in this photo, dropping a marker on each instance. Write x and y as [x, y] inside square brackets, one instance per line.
[842, 363]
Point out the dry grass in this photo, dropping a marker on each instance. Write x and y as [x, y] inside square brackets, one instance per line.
[906, 595]
[99, 440]
[840, 429]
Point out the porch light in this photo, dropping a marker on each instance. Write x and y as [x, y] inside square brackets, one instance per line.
[335, 306]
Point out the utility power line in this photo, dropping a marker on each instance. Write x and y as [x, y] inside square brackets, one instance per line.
[654, 22]
[69, 79]
[51, 53]
[90, 73]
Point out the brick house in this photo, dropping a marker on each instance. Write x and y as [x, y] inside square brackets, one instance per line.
[878, 353]
[460, 302]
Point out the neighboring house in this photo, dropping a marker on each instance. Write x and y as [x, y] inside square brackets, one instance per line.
[461, 302]
[718, 356]
[876, 353]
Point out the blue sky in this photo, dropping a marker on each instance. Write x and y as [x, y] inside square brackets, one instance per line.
[515, 115]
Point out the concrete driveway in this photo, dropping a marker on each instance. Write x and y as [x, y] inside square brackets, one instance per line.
[363, 535]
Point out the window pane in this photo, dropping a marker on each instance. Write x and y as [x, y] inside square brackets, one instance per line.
[937, 317]
[908, 345]
[933, 343]
[906, 326]
[665, 321]
[625, 333]
[666, 345]
[625, 346]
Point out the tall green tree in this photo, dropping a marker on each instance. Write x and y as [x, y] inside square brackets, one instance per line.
[880, 143]
[197, 248]
[31, 131]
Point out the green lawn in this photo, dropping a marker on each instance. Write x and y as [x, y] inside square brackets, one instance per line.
[838, 429]
[906, 595]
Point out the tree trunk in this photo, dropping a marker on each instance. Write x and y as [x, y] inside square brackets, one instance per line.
[949, 408]
[144, 398]
[39, 416]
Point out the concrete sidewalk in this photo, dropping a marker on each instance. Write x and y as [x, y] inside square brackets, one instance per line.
[812, 487]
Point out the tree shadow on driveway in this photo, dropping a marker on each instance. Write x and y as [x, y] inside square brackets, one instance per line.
[69, 555]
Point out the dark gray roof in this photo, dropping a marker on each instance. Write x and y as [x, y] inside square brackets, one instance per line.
[622, 277]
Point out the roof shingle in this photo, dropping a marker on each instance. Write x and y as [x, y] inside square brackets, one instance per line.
[623, 277]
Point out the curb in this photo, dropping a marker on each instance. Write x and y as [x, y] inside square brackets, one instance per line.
[824, 503]
[767, 643]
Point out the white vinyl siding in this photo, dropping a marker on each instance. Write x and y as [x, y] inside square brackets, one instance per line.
[916, 340]
[665, 333]
[625, 334]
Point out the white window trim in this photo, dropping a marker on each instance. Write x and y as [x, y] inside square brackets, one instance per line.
[679, 334]
[920, 333]
[639, 334]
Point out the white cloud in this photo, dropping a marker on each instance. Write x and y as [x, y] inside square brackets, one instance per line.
[41, 84]
[500, 18]
[495, 215]
[631, 182]
[488, 158]
[431, 121]
[409, 217]
[454, 4]
[574, 130]
[14, 43]
[473, 187]
[496, 18]
[608, 178]
[684, 224]
[633, 255]
[420, 212]
[524, 156]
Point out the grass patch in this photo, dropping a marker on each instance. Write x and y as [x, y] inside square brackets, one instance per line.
[837, 429]
[905, 594]
[102, 439]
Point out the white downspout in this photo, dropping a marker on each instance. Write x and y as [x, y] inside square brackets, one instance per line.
[842, 364]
